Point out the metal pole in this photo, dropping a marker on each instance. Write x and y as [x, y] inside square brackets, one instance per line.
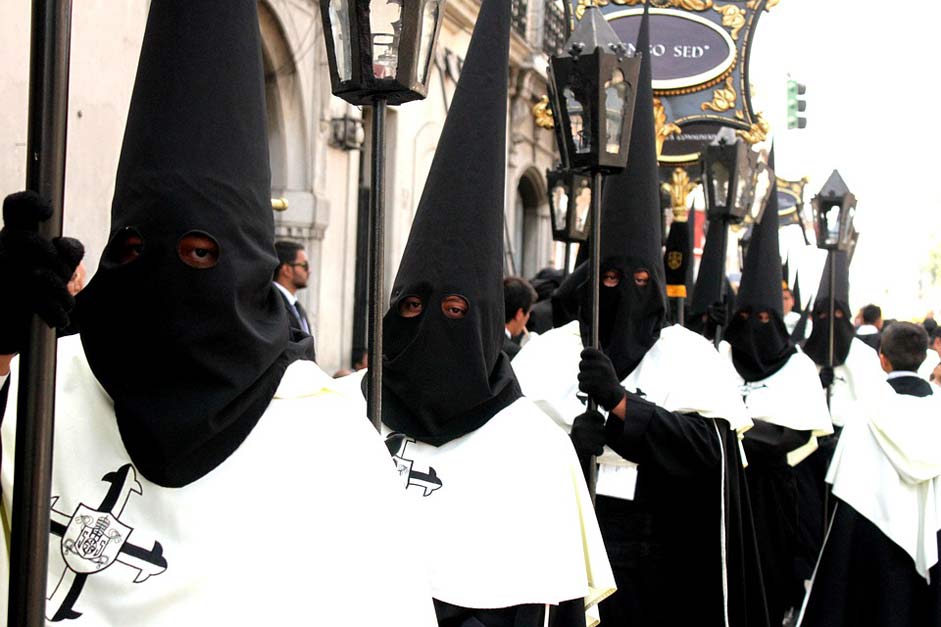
[681, 311]
[595, 266]
[568, 259]
[376, 262]
[45, 174]
[724, 247]
[832, 313]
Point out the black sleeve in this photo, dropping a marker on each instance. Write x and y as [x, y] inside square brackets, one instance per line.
[680, 445]
[565, 614]
[772, 441]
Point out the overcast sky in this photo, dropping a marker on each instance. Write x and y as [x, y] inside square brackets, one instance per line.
[870, 69]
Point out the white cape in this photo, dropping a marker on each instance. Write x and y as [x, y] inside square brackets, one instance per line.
[681, 372]
[791, 397]
[888, 468]
[304, 524]
[507, 513]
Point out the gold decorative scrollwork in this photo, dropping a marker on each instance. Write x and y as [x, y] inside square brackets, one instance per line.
[542, 113]
[733, 18]
[758, 131]
[770, 4]
[689, 5]
[723, 99]
[663, 129]
[679, 189]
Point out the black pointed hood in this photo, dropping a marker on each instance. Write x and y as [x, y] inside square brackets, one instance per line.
[711, 277]
[631, 315]
[760, 342]
[181, 324]
[444, 377]
[817, 345]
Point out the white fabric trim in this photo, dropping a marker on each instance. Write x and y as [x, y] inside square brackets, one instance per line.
[897, 374]
[866, 329]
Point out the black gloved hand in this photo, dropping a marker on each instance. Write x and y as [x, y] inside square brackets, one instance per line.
[34, 271]
[597, 379]
[588, 434]
[826, 376]
[718, 314]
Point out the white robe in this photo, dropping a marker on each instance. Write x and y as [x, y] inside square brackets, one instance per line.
[304, 524]
[791, 397]
[507, 513]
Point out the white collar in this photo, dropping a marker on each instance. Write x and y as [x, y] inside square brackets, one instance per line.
[897, 374]
[866, 329]
[291, 297]
[507, 331]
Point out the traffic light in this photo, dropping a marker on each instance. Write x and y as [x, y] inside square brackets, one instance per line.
[796, 104]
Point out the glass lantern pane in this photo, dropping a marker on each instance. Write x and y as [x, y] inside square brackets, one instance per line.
[760, 196]
[560, 206]
[340, 27]
[615, 91]
[832, 217]
[720, 179]
[582, 208]
[578, 121]
[429, 19]
[385, 27]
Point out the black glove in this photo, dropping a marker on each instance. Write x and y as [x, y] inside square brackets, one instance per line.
[718, 314]
[588, 434]
[34, 271]
[597, 379]
[826, 376]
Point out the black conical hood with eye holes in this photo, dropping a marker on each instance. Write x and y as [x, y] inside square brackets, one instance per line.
[631, 316]
[190, 340]
[761, 348]
[444, 377]
[817, 346]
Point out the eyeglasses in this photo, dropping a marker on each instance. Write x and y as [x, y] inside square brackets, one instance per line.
[304, 265]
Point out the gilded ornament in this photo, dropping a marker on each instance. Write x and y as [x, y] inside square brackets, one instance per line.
[542, 113]
[663, 129]
[770, 4]
[689, 5]
[679, 189]
[723, 99]
[758, 131]
[733, 18]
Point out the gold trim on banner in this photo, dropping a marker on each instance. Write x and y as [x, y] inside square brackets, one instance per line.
[676, 291]
[733, 18]
[723, 99]
[689, 5]
[758, 131]
[663, 129]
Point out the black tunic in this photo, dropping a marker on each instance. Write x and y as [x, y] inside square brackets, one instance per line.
[566, 614]
[665, 546]
[772, 485]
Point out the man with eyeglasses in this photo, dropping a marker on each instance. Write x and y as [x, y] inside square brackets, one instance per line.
[291, 275]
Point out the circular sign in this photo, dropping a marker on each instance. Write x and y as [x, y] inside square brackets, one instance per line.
[687, 50]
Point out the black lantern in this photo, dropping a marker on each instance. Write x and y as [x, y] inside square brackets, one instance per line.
[726, 177]
[381, 48]
[834, 210]
[593, 87]
[569, 205]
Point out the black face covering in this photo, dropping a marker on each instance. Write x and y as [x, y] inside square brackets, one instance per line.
[817, 345]
[181, 324]
[759, 349]
[439, 381]
[630, 316]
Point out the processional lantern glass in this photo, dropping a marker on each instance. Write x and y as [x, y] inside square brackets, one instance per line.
[760, 187]
[381, 48]
[593, 85]
[834, 209]
[569, 205]
[726, 177]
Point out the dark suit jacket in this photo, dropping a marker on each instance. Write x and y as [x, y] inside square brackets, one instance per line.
[510, 347]
[912, 386]
[872, 339]
[297, 331]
